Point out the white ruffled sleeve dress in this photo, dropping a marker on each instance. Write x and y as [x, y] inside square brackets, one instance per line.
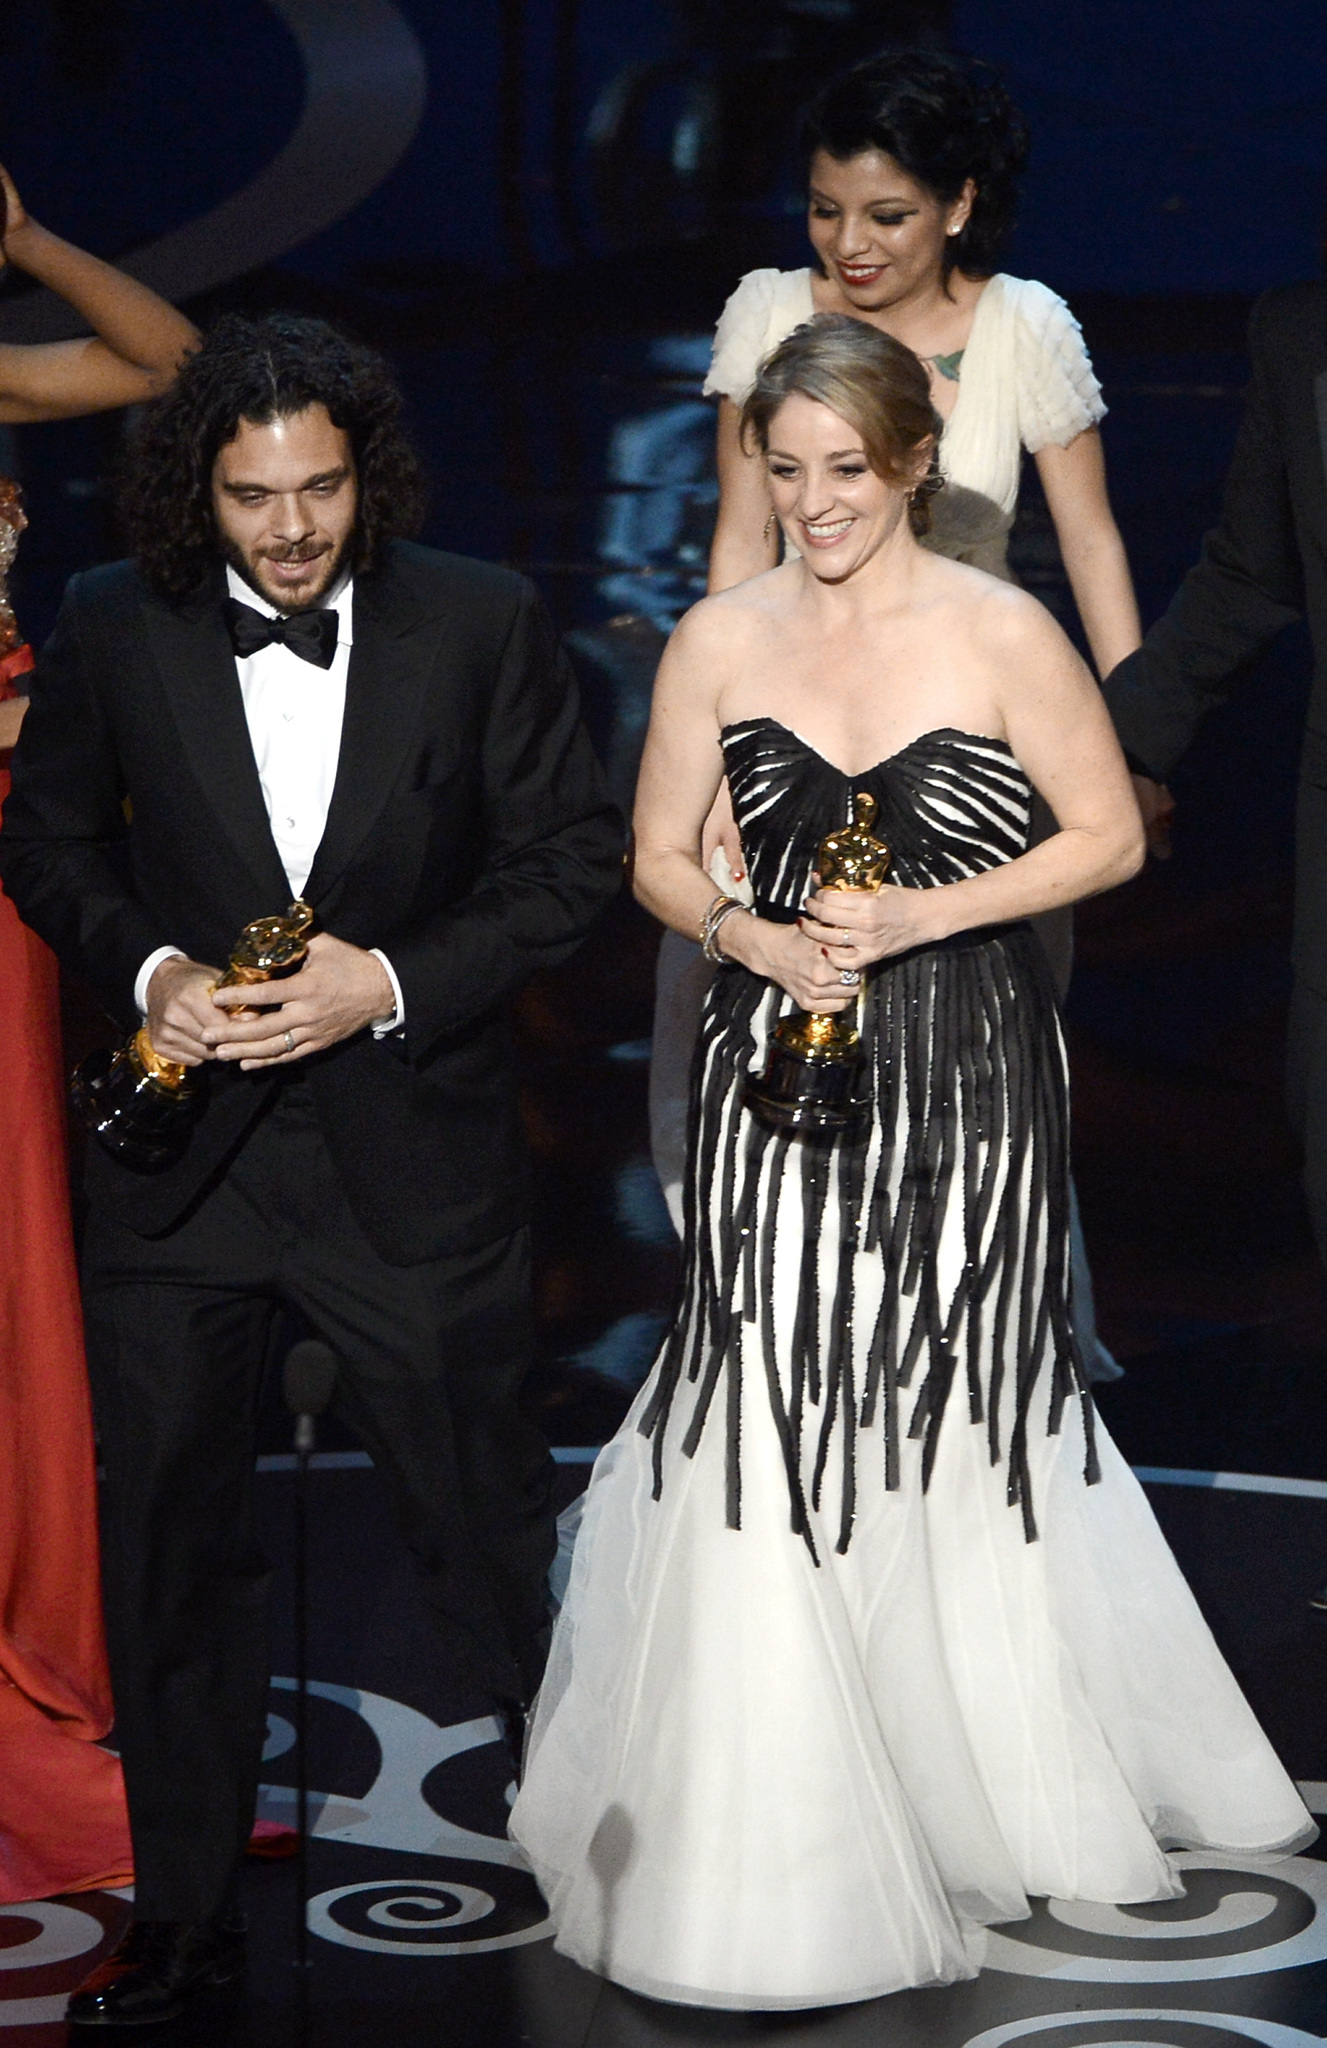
[1027, 383]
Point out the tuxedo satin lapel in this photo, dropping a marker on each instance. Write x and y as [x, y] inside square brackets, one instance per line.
[385, 683]
[193, 653]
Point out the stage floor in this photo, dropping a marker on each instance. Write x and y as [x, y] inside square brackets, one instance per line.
[425, 1931]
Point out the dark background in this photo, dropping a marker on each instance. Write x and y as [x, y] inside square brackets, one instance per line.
[537, 209]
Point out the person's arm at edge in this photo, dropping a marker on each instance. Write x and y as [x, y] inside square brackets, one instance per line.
[681, 770]
[1245, 588]
[1074, 480]
[744, 544]
[138, 344]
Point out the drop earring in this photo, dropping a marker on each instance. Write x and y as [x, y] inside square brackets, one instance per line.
[768, 528]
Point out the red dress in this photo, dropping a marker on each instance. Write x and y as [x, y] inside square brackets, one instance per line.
[63, 1822]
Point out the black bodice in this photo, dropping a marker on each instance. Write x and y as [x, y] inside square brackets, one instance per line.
[959, 1187]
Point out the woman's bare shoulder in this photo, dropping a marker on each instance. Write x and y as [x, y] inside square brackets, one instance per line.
[1006, 617]
[997, 631]
[728, 617]
[703, 647]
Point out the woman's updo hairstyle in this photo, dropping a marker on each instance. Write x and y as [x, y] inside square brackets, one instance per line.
[870, 380]
[944, 118]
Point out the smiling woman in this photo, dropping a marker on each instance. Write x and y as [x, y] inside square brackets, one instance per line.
[865, 640]
[912, 172]
[912, 166]
[913, 162]
[877, 391]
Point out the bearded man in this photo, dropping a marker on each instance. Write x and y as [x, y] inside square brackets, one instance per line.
[281, 697]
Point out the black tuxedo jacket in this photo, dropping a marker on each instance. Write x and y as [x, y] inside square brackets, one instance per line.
[1264, 565]
[469, 836]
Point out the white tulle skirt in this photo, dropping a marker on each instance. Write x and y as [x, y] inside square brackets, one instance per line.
[755, 1781]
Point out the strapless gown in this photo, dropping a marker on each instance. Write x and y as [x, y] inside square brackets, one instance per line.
[870, 1632]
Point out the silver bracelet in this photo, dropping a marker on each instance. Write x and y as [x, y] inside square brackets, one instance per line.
[722, 907]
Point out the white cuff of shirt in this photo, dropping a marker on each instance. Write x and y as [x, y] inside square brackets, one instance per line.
[380, 1026]
[148, 969]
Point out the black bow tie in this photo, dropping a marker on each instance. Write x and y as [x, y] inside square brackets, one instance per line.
[311, 635]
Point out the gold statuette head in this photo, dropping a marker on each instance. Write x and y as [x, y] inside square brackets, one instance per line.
[853, 858]
[269, 948]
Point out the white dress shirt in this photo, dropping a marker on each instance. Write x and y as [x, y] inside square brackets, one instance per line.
[294, 711]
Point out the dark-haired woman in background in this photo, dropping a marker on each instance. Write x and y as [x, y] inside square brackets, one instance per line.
[63, 1825]
[912, 170]
[870, 1634]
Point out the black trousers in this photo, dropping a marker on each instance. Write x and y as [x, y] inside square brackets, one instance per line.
[432, 1358]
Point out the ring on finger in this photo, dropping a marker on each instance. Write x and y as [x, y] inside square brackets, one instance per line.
[290, 1042]
[849, 977]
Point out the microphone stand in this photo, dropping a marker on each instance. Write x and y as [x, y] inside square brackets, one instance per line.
[308, 1382]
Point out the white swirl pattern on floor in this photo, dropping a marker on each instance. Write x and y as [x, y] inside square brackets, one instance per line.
[1182, 2030]
[1293, 1891]
[60, 1934]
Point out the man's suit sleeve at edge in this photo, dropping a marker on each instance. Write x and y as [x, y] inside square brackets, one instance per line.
[64, 827]
[554, 847]
[1246, 587]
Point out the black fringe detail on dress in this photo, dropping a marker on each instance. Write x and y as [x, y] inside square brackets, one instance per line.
[971, 1115]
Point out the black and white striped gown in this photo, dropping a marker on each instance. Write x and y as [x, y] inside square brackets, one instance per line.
[871, 1633]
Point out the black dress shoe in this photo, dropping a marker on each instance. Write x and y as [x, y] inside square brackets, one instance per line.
[155, 1970]
[1318, 1600]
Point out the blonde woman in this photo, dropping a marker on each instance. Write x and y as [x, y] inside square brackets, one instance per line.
[912, 166]
[870, 1635]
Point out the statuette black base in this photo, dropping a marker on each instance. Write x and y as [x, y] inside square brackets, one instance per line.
[797, 1093]
[132, 1116]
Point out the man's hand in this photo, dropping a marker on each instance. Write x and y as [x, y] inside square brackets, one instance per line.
[1158, 808]
[180, 1012]
[338, 991]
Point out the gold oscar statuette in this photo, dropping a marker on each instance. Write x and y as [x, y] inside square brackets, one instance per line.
[814, 1077]
[142, 1108]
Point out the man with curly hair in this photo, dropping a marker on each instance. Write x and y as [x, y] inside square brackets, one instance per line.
[281, 697]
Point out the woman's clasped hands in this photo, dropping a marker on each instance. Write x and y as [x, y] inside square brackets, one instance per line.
[839, 934]
[850, 928]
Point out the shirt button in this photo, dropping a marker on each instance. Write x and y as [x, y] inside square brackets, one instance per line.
[291, 823]
[289, 717]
